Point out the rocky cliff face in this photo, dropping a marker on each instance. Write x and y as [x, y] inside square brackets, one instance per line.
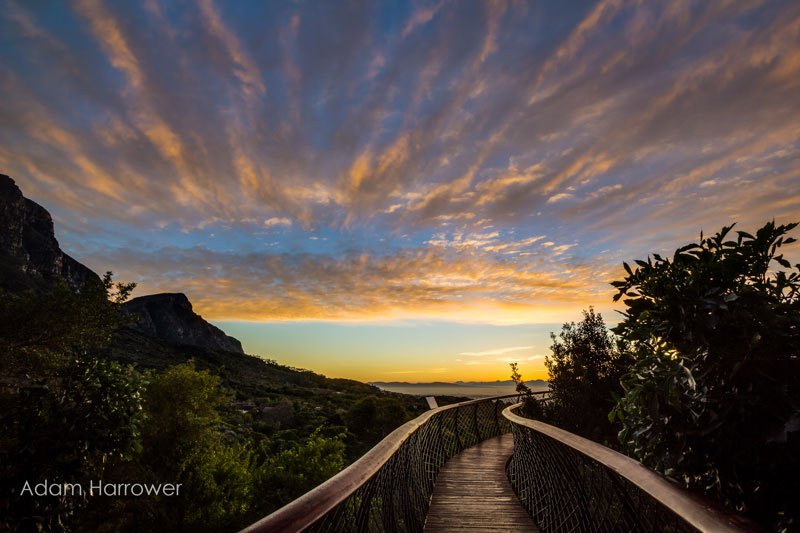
[30, 258]
[169, 316]
[29, 252]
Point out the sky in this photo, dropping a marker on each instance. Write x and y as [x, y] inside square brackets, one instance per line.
[398, 191]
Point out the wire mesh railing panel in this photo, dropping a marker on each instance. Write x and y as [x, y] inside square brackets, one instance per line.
[565, 482]
[564, 490]
[396, 498]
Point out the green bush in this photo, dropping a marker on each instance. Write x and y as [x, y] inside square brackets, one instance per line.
[182, 442]
[713, 398]
[372, 418]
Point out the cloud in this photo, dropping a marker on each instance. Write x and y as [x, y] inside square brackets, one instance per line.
[148, 121]
[495, 10]
[244, 67]
[423, 371]
[609, 132]
[558, 197]
[275, 221]
[518, 359]
[421, 16]
[412, 283]
[497, 351]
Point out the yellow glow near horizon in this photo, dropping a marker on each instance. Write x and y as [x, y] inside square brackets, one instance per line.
[412, 351]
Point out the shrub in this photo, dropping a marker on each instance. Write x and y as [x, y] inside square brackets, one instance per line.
[713, 398]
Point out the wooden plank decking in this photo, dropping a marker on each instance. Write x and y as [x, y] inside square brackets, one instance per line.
[472, 493]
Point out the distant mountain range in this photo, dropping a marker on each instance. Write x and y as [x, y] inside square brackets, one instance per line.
[459, 389]
[498, 383]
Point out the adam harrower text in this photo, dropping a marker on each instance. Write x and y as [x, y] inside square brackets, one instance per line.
[100, 488]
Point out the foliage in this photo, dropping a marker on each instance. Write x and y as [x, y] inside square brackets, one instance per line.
[293, 471]
[713, 398]
[182, 410]
[48, 326]
[373, 417]
[585, 368]
[516, 377]
[182, 443]
[66, 413]
[531, 408]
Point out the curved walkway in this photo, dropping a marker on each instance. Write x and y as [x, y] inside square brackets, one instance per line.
[472, 493]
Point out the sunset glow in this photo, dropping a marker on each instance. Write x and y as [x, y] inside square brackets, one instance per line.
[411, 191]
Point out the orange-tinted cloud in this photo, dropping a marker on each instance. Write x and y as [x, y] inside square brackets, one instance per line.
[439, 162]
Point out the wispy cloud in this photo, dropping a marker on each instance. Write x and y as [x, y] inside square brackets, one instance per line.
[420, 16]
[416, 283]
[497, 351]
[243, 66]
[500, 178]
[518, 359]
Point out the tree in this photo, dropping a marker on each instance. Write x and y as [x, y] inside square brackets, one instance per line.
[289, 473]
[585, 367]
[531, 408]
[67, 413]
[713, 398]
[183, 442]
[373, 417]
[41, 330]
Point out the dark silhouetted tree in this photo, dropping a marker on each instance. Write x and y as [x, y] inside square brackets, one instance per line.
[373, 417]
[531, 407]
[585, 367]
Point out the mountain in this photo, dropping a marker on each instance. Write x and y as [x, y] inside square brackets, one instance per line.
[167, 330]
[30, 256]
[169, 316]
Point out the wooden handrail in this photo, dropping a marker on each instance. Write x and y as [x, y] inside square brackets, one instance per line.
[313, 505]
[696, 511]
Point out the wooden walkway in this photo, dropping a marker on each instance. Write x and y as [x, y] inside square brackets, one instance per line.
[472, 493]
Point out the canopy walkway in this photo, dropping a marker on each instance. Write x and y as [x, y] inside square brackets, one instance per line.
[458, 468]
[472, 493]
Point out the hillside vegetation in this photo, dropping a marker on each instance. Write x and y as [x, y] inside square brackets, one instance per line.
[93, 388]
[84, 397]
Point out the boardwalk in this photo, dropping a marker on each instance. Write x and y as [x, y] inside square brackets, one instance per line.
[472, 493]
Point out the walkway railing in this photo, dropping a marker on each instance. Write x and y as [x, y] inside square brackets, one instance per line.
[565, 482]
[389, 488]
[568, 483]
